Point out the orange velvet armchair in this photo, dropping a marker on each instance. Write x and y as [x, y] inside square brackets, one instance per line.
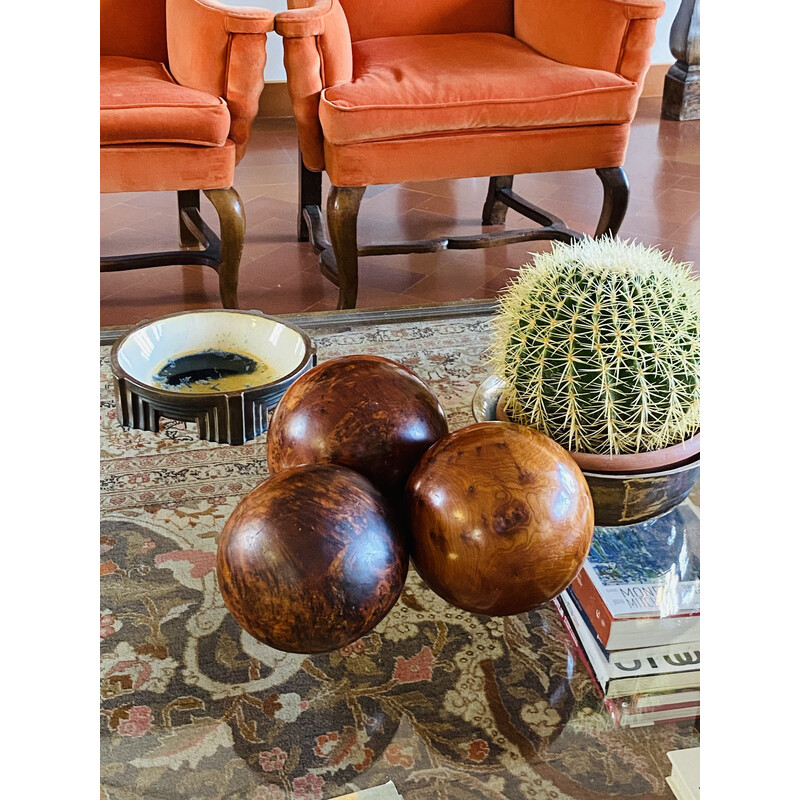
[179, 88]
[389, 92]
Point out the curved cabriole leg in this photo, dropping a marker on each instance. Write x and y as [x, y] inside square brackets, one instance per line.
[616, 191]
[343, 204]
[231, 226]
[188, 199]
[310, 190]
[494, 210]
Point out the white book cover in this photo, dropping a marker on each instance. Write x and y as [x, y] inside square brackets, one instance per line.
[679, 670]
[676, 650]
[685, 776]
[679, 648]
[649, 569]
[386, 791]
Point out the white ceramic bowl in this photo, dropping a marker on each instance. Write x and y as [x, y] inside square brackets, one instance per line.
[233, 415]
[147, 347]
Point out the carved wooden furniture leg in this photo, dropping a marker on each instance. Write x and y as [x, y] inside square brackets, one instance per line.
[681, 98]
[616, 192]
[310, 189]
[339, 254]
[343, 204]
[188, 203]
[494, 211]
[232, 226]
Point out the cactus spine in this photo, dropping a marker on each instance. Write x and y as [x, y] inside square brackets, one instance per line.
[599, 343]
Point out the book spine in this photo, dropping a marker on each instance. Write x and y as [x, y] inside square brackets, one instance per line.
[578, 647]
[639, 721]
[622, 714]
[625, 714]
[677, 657]
[652, 702]
[586, 596]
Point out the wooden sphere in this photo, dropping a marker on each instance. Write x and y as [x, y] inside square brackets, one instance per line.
[311, 559]
[500, 517]
[363, 412]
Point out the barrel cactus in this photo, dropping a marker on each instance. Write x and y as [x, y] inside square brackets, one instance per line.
[599, 345]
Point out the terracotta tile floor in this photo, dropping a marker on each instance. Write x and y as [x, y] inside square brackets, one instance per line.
[279, 275]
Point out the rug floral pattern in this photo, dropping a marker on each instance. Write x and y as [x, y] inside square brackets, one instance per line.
[445, 703]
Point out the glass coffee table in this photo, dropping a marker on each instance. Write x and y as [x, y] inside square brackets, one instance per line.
[444, 703]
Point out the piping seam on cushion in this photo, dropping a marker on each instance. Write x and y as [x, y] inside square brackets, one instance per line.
[497, 101]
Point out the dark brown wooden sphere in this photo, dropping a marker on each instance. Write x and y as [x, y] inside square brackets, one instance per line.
[500, 517]
[364, 412]
[311, 559]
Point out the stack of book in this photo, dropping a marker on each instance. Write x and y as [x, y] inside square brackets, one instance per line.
[685, 778]
[634, 614]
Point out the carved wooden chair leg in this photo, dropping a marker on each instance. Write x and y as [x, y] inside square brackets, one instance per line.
[494, 211]
[188, 199]
[232, 226]
[616, 192]
[342, 211]
[310, 189]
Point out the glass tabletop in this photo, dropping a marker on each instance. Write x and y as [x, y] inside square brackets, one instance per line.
[444, 703]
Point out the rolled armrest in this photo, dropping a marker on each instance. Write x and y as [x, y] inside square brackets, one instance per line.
[317, 53]
[304, 18]
[612, 35]
[235, 19]
[222, 50]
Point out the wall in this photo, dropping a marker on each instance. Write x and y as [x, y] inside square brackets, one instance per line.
[275, 71]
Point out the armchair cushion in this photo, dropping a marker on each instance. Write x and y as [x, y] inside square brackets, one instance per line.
[408, 86]
[141, 103]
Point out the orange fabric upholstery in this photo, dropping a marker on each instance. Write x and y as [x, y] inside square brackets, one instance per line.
[438, 89]
[317, 52]
[393, 95]
[475, 155]
[599, 34]
[220, 49]
[140, 102]
[164, 167]
[133, 28]
[371, 19]
[180, 82]
[406, 89]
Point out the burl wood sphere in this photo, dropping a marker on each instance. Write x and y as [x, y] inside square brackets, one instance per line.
[501, 518]
[311, 559]
[364, 412]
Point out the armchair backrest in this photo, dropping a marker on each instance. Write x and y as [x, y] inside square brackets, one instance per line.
[370, 19]
[134, 28]
[619, 38]
[207, 45]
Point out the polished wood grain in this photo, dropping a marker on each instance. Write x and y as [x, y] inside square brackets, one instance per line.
[500, 518]
[616, 193]
[343, 205]
[222, 253]
[311, 559]
[339, 257]
[364, 412]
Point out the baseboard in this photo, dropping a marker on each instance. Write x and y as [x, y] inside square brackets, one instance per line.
[274, 100]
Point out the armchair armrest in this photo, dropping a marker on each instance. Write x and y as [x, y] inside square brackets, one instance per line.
[317, 53]
[222, 50]
[612, 35]
[304, 18]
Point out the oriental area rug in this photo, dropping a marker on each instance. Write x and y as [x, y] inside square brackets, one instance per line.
[444, 703]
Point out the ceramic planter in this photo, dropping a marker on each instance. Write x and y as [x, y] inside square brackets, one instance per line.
[625, 489]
